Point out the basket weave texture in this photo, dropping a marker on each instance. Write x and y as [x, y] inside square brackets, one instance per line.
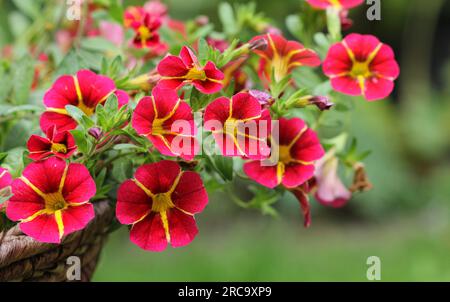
[24, 259]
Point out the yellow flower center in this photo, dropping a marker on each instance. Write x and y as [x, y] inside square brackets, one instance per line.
[87, 110]
[360, 69]
[59, 148]
[196, 74]
[162, 202]
[54, 202]
[157, 126]
[335, 3]
[144, 33]
[285, 154]
[280, 66]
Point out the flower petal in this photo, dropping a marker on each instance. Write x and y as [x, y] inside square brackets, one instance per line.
[132, 203]
[149, 233]
[190, 194]
[182, 228]
[264, 175]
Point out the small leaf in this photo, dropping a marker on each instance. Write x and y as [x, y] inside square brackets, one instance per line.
[226, 16]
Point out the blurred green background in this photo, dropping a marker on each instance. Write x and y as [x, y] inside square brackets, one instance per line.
[404, 220]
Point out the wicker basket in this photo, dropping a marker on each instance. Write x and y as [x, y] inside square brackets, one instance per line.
[24, 259]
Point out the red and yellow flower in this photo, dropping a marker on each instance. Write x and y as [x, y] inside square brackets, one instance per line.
[51, 199]
[145, 26]
[177, 71]
[298, 148]
[362, 65]
[161, 206]
[338, 4]
[5, 186]
[85, 90]
[282, 56]
[239, 125]
[167, 121]
[59, 144]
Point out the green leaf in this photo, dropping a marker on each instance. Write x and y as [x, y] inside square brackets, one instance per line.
[98, 44]
[226, 16]
[116, 11]
[78, 115]
[31, 8]
[223, 165]
[294, 25]
[18, 24]
[203, 51]
[81, 140]
[71, 63]
[199, 100]
[23, 78]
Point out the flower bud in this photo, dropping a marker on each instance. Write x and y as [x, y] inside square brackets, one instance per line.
[321, 102]
[264, 98]
[95, 133]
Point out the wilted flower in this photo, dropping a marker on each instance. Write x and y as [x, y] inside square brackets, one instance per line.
[301, 193]
[51, 199]
[160, 203]
[362, 65]
[185, 69]
[59, 144]
[361, 182]
[330, 191]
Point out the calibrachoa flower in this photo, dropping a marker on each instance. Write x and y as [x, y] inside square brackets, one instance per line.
[85, 90]
[330, 191]
[5, 185]
[59, 144]
[339, 4]
[185, 69]
[168, 122]
[146, 32]
[362, 65]
[298, 149]
[160, 203]
[51, 199]
[282, 56]
[239, 125]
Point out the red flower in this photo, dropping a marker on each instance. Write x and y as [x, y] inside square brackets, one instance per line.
[5, 186]
[146, 32]
[362, 65]
[339, 4]
[330, 191]
[301, 193]
[282, 56]
[160, 203]
[59, 144]
[51, 199]
[168, 122]
[85, 90]
[298, 148]
[133, 16]
[239, 125]
[185, 69]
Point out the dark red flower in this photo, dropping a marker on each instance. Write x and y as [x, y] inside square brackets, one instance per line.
[239, 125]
[51, 199]
[362, 65]
[282, 56]
[59, 144]
[298, 149]
[85, 90]
[160, 203]
[168, 122]
[185, 69]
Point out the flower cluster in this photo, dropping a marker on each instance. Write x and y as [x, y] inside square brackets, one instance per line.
[152, 116]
